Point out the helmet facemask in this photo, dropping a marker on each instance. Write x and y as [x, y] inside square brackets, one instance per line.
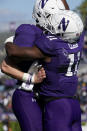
[58, 21]
[44, 8]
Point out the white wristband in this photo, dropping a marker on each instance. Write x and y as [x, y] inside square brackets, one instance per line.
[26, 77]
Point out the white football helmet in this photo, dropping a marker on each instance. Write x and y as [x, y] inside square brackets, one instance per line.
[51, 15]
[44, 8]
[67, 23]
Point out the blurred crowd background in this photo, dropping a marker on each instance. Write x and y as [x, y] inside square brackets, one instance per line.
[8, 121]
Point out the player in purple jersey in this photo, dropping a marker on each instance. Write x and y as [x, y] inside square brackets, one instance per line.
[24, 103]
[26, 35]
[60, 83]
[63, 113]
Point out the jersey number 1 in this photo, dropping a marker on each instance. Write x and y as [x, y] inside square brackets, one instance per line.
[72, 58]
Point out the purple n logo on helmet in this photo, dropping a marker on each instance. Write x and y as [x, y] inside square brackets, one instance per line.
[43, 2]
[63, 24]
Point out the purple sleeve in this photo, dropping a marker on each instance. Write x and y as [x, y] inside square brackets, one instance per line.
[81, 41]
[25, 35]
[46, 46]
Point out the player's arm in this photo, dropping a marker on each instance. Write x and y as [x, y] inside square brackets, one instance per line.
[24, 53]
[10, 69]
[65, 4]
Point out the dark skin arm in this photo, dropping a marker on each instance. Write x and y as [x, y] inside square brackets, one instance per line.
[24, 53]
[65, 4]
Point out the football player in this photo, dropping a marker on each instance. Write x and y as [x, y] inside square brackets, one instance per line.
[26, 109]
[63, 52]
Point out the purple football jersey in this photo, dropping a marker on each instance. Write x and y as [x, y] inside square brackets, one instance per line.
[25, 36]
[61, 72]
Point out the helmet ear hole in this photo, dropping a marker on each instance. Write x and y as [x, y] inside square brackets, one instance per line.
[37, 21]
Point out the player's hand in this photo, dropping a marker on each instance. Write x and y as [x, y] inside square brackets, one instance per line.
[39, 76]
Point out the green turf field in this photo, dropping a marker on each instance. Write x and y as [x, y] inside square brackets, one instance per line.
[13, 125]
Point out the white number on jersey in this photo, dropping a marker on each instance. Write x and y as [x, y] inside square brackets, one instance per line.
[72, 58]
